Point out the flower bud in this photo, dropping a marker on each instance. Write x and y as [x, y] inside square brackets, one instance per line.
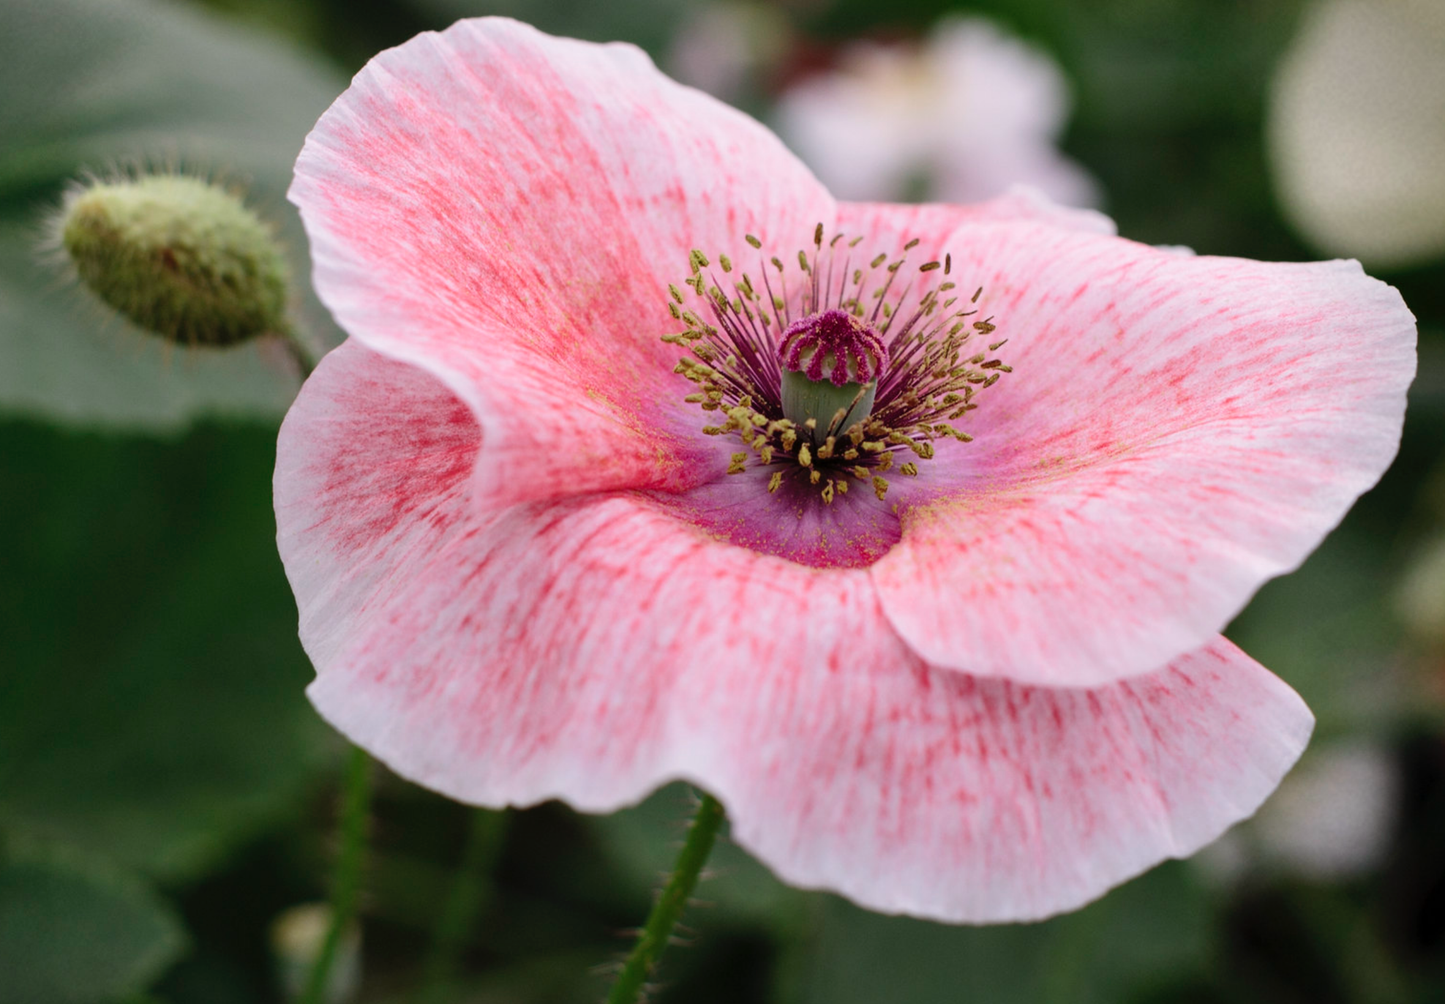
[182, 258]
[296, 939]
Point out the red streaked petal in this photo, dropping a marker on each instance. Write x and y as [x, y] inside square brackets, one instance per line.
[1176, 430]
[934, 223]
[592, 648]
[373, 459]
[505, 210]
[920, 790]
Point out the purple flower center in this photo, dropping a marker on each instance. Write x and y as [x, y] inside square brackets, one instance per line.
[835, 373]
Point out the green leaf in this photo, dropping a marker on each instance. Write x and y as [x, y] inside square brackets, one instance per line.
[1151, 931]
[649, 24]
[1327, 630]
[151, 704]
[77, 936]
[91, 84]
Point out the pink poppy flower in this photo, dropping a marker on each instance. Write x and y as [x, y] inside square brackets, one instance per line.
[983, 689]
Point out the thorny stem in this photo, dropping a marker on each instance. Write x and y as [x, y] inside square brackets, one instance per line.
[469, 891]
[356, 800]
[669, 906]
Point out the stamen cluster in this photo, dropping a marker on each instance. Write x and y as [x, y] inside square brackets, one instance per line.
[927, 378]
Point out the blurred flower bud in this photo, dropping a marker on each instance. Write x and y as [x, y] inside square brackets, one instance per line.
[1420, 597]
[961, 118]
[1356, 129]
[296, 939]
[181, 257]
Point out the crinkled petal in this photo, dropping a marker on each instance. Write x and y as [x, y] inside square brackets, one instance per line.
[594, 647]
[1176, 430]
[504, 209]
[920, 790]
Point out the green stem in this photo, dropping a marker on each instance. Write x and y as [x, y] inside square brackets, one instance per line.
[669, 906]
[297, 350]
[484, 842]
[356, 800]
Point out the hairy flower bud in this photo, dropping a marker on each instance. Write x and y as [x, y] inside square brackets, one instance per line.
[179, 256]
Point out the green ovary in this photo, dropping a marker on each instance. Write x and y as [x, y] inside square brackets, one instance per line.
[821, 400]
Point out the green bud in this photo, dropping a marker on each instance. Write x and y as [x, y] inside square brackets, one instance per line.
[179, 256]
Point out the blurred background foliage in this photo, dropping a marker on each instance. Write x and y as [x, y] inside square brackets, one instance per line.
[166, 792]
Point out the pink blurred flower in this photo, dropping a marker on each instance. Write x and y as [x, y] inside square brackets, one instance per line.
[725, 48]
[968, 113]
[988, 690]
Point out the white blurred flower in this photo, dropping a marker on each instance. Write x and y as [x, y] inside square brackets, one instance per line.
[959, 119]
[1357, 129]
[1333, 816]
[1420, 598]
[1331, 819]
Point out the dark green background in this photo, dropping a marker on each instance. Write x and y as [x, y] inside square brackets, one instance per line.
[165, 789]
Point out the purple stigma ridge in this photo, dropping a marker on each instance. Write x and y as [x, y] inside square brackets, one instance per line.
[856, 349]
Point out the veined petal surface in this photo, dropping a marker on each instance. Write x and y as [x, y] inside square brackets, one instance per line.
[1176, 430]
[593, 647]
[505, 210]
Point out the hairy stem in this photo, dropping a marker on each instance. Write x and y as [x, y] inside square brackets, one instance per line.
[670, 903]
[356, 801]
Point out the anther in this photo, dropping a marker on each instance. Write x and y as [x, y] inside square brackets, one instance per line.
[845, 373]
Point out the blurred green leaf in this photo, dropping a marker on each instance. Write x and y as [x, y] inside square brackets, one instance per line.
[1328, 631]
[95, 84]
[1152, 931]
[645, 23]
[76, 936]
[151, 703]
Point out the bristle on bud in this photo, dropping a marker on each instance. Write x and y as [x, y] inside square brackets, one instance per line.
[182, 258]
